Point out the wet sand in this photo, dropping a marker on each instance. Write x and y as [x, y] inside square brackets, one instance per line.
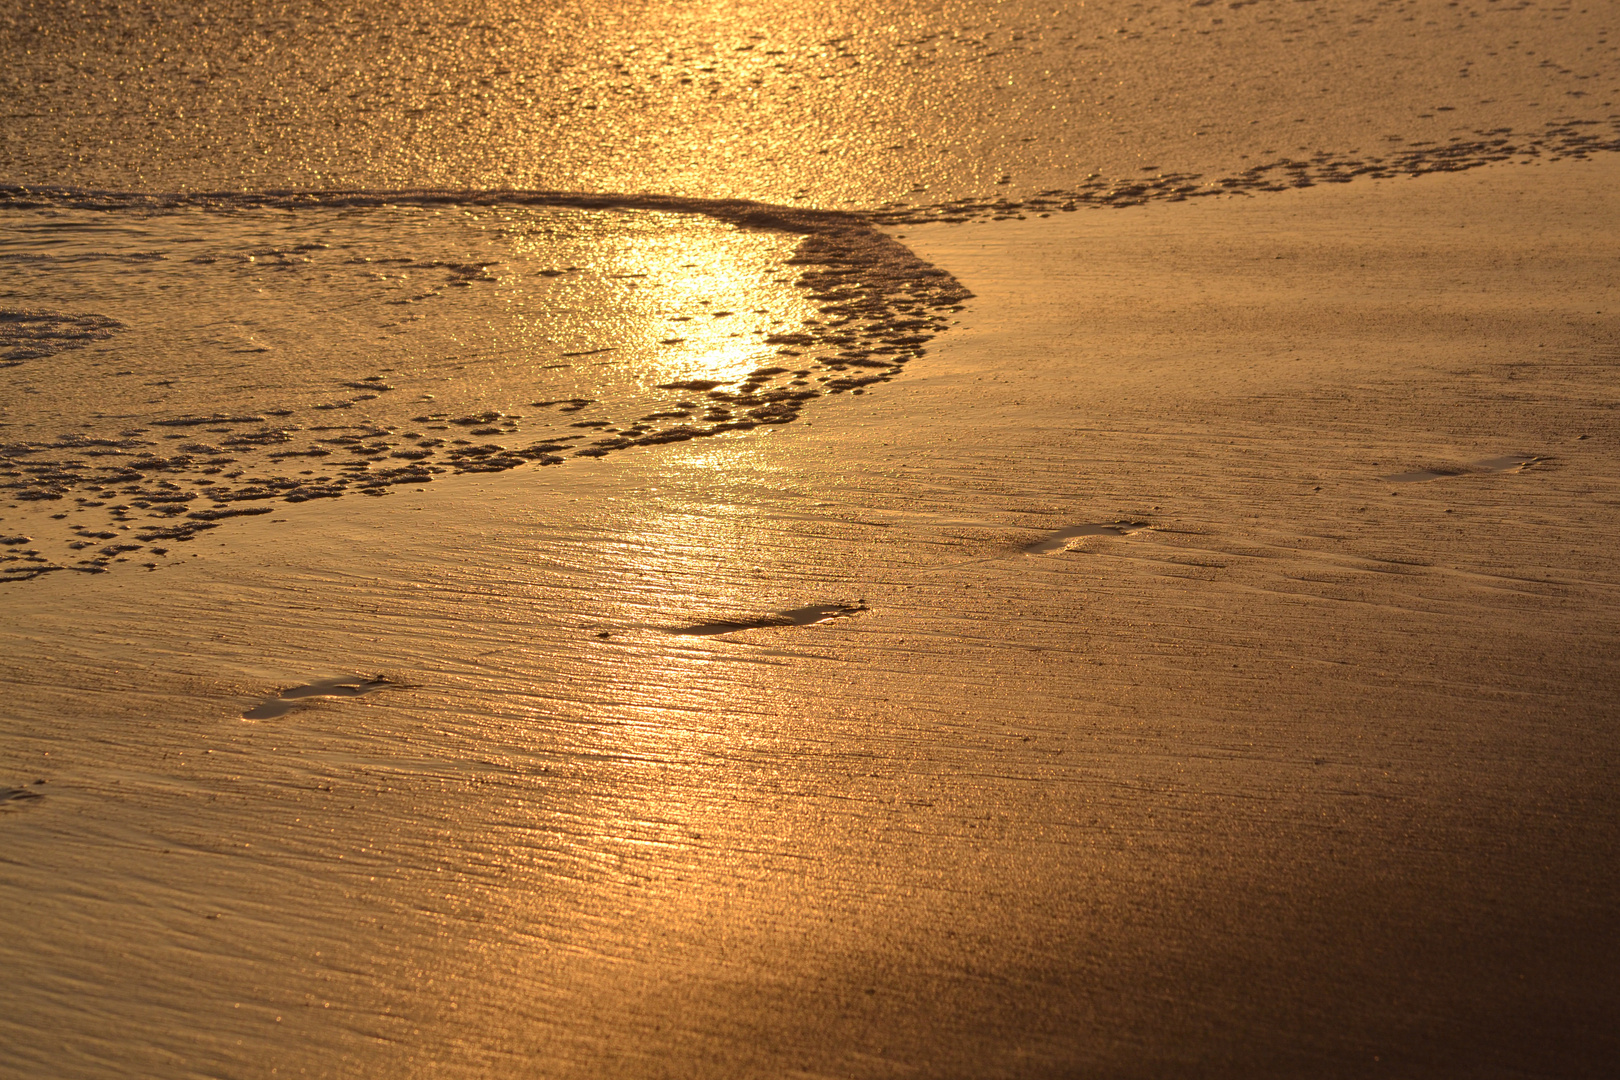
[1150, 715]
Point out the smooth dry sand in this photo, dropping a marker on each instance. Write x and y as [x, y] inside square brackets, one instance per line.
[1278, 769]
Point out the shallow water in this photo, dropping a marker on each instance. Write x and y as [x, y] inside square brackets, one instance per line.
[181, 356]
[831, 104]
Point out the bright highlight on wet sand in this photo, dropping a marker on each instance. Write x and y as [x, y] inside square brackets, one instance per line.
[945, 540]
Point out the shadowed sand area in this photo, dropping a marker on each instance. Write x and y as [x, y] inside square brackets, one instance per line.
[1177, 737]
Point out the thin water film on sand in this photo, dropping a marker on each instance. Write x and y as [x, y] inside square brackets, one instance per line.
[202, 358]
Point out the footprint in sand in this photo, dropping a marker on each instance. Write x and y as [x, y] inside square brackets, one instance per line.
[1064, 539]
[804, 616]
[1487, 467]
[343, 686]
[17, 797]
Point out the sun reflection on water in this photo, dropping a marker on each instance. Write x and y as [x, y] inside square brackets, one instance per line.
[677, 296]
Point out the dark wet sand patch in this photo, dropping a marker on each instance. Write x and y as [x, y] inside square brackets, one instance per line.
[1063, 538]
[1513, 464]
[803, 616]
[342, 686]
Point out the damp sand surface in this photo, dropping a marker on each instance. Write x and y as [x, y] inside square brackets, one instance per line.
[1274, 768]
